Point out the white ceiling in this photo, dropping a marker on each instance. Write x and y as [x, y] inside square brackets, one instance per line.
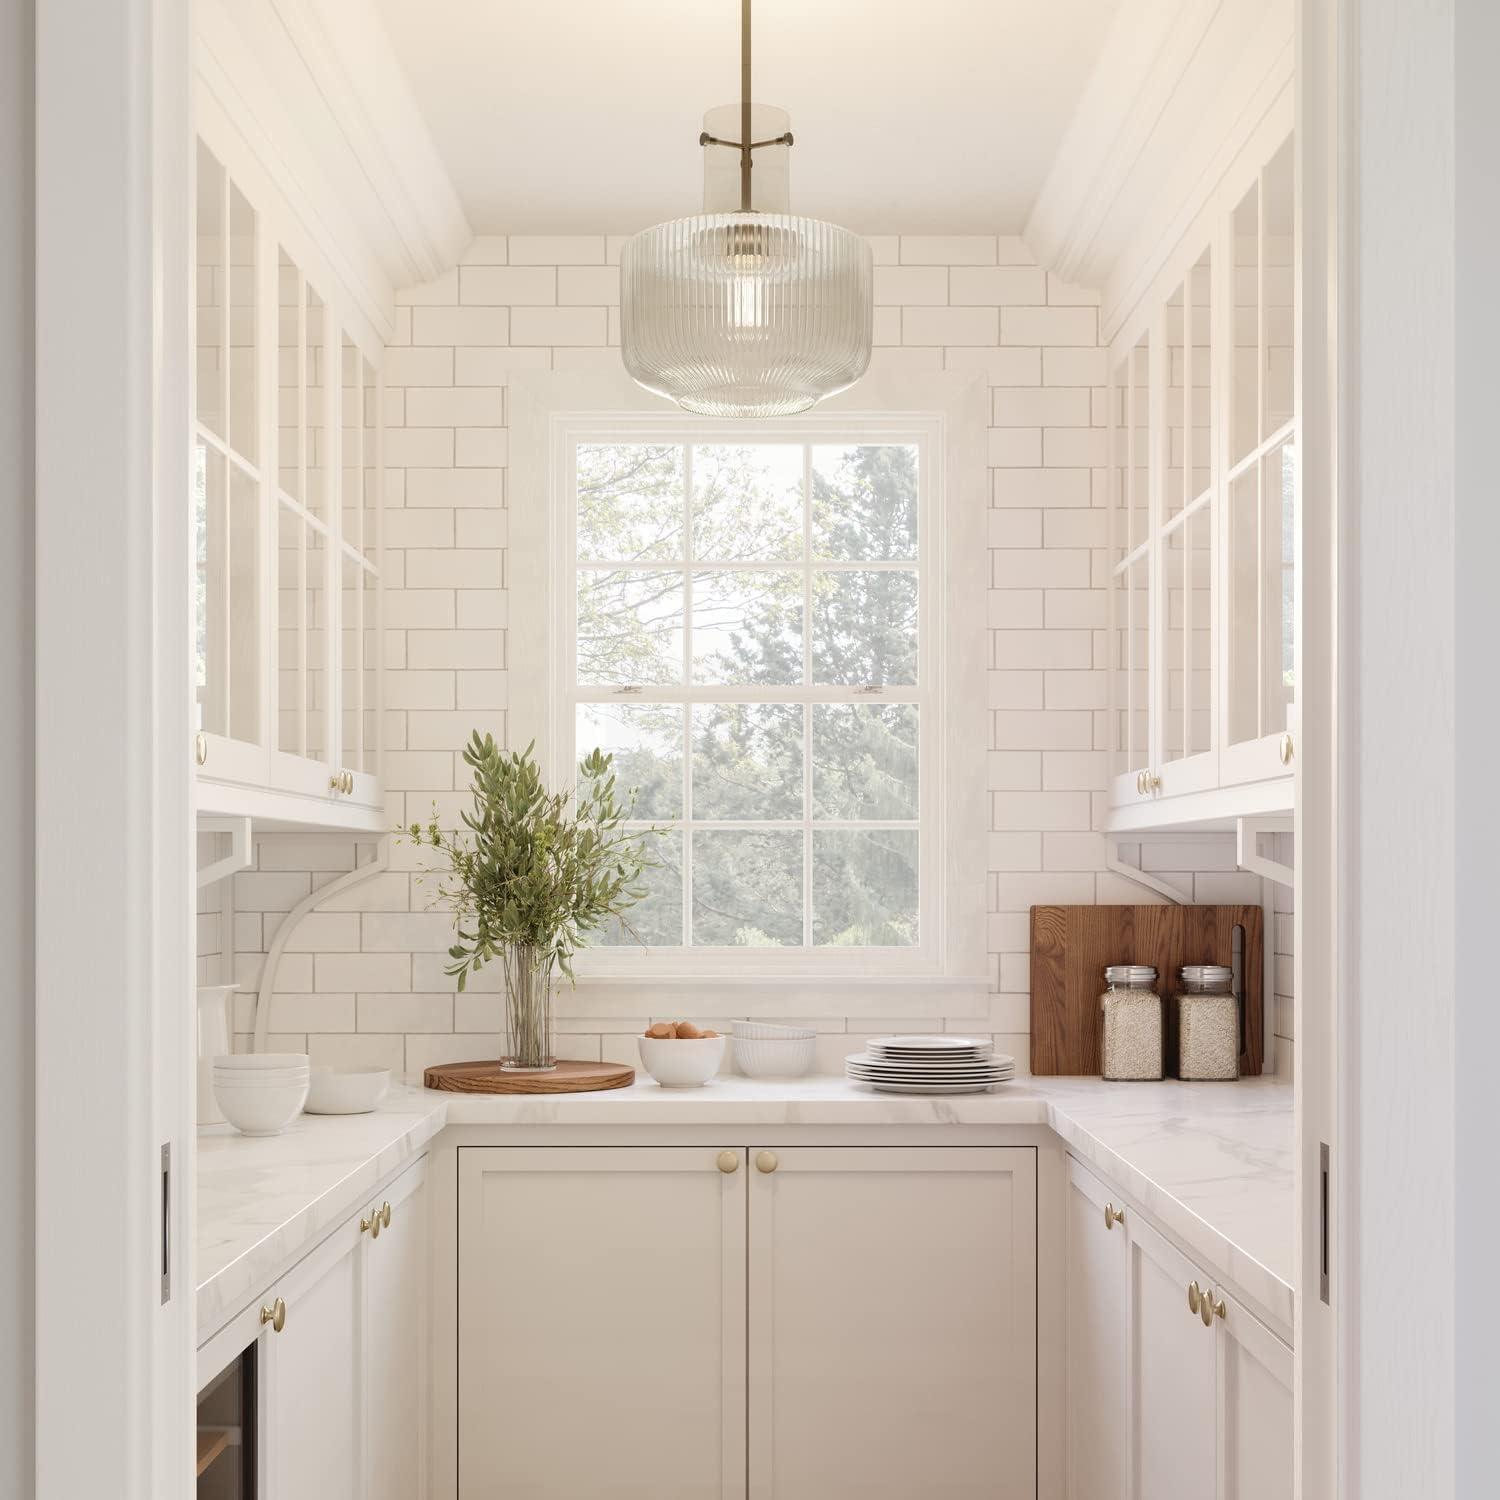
[910, 115]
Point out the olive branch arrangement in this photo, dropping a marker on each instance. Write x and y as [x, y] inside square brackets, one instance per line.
[532, 868]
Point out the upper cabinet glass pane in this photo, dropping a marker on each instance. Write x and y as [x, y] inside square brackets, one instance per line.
[371, 488]
[1198, 378]
[1277, 284]
[213, 295]
[315, 440]
[289, 376]
[1175, 491]
[1244, 412]
[351, 441]
[244, 408]
[1138, 445]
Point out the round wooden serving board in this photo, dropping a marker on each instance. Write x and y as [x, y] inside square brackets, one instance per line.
[491, 1078]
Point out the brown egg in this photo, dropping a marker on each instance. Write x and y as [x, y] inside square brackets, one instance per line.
[686, 1029]
[662, 1029]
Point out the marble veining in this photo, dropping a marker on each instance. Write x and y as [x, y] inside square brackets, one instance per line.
[1212, 1163]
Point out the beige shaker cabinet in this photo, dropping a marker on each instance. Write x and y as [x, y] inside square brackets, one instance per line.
[1175, 1390]
[794, 1322]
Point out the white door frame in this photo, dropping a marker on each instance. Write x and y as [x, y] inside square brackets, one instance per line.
[114, 855]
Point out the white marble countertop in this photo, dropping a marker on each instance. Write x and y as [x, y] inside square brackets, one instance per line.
[262, 1200]
[1212, 1163]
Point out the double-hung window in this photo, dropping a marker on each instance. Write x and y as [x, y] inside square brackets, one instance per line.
[753, 620]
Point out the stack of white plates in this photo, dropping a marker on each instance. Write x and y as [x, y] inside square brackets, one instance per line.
[930, 1065]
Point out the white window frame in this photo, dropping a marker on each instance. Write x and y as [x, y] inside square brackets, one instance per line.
[945, 414]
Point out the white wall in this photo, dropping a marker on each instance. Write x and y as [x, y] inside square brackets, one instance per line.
[17, 540]
[365, 982]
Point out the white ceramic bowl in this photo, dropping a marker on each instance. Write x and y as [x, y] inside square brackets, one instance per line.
[260, 1108]
[768, 1031]
[759, 1057]
[681, 1063]
[253, 1061]
[346, 1091]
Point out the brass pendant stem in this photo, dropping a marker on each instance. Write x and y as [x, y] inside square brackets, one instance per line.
[746, 159]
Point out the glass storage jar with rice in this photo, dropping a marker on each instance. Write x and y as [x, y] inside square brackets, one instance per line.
[1132, 1023]
[1208, 1023]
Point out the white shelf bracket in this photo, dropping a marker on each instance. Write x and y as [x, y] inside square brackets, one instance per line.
[357, 876]
[1117, 866]
[1247, 855]
[239, 856]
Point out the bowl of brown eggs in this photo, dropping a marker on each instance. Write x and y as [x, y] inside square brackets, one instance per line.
[678, 1055]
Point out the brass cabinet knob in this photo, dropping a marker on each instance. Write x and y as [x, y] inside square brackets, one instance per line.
[275, 1315]
[200, 749]
[729, 1161]
[765, 1161]
[385, 1215]
[1113, 1216]
[1288, 749]
[1195, 1297]
[1140, 783]
[1216, 1306]
[348, 778]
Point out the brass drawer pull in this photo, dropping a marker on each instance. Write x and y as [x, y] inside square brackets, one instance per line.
[729, 1161]
[1113, 1216]
[275, 1315]
[766, 1161]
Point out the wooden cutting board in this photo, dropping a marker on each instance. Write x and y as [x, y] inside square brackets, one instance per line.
[491, 1078]
[1071, 945]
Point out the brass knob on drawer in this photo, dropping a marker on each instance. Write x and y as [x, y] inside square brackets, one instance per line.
[200, 749]
[1288, 749]
[1195, 1297]
[275, 1315]
[766, 1161]
[348, 779]
[1113, 1216]
[729, 1161]
[385, 1215]
[1140, 783]
[1206, 1310]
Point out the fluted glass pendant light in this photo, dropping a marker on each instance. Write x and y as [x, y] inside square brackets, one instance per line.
[746, 310]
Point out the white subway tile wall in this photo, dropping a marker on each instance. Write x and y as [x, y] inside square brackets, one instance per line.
[363, 978]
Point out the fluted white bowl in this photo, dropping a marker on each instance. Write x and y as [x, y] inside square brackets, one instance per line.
[769, 1031]
[760, 1057]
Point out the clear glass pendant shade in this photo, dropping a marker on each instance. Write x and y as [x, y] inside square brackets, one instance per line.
[746, 314]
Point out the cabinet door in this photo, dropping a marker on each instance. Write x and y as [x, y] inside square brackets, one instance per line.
[315, 1384]
[229, 484]
[1172, 1372]
[893, 1323]
[1255, 1408]
[396, 1346]
[1260, 501]
[601, 1323]
[1098, 1299]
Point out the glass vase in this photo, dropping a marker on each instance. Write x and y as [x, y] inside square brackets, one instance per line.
[528, 1010]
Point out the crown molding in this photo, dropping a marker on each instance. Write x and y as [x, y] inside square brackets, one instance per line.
[1178, 83]
[316, 90]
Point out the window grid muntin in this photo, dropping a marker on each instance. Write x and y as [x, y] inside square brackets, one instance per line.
[807, 693]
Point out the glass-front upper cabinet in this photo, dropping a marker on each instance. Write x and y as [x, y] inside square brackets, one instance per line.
[229, 634]
[287, 498]
[1260, 517]
[1202, 487]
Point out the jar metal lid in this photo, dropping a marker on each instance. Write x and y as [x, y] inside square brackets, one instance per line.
[1130, 974]
[1207, 973]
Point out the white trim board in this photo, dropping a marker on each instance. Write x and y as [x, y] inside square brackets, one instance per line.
[115, 853]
